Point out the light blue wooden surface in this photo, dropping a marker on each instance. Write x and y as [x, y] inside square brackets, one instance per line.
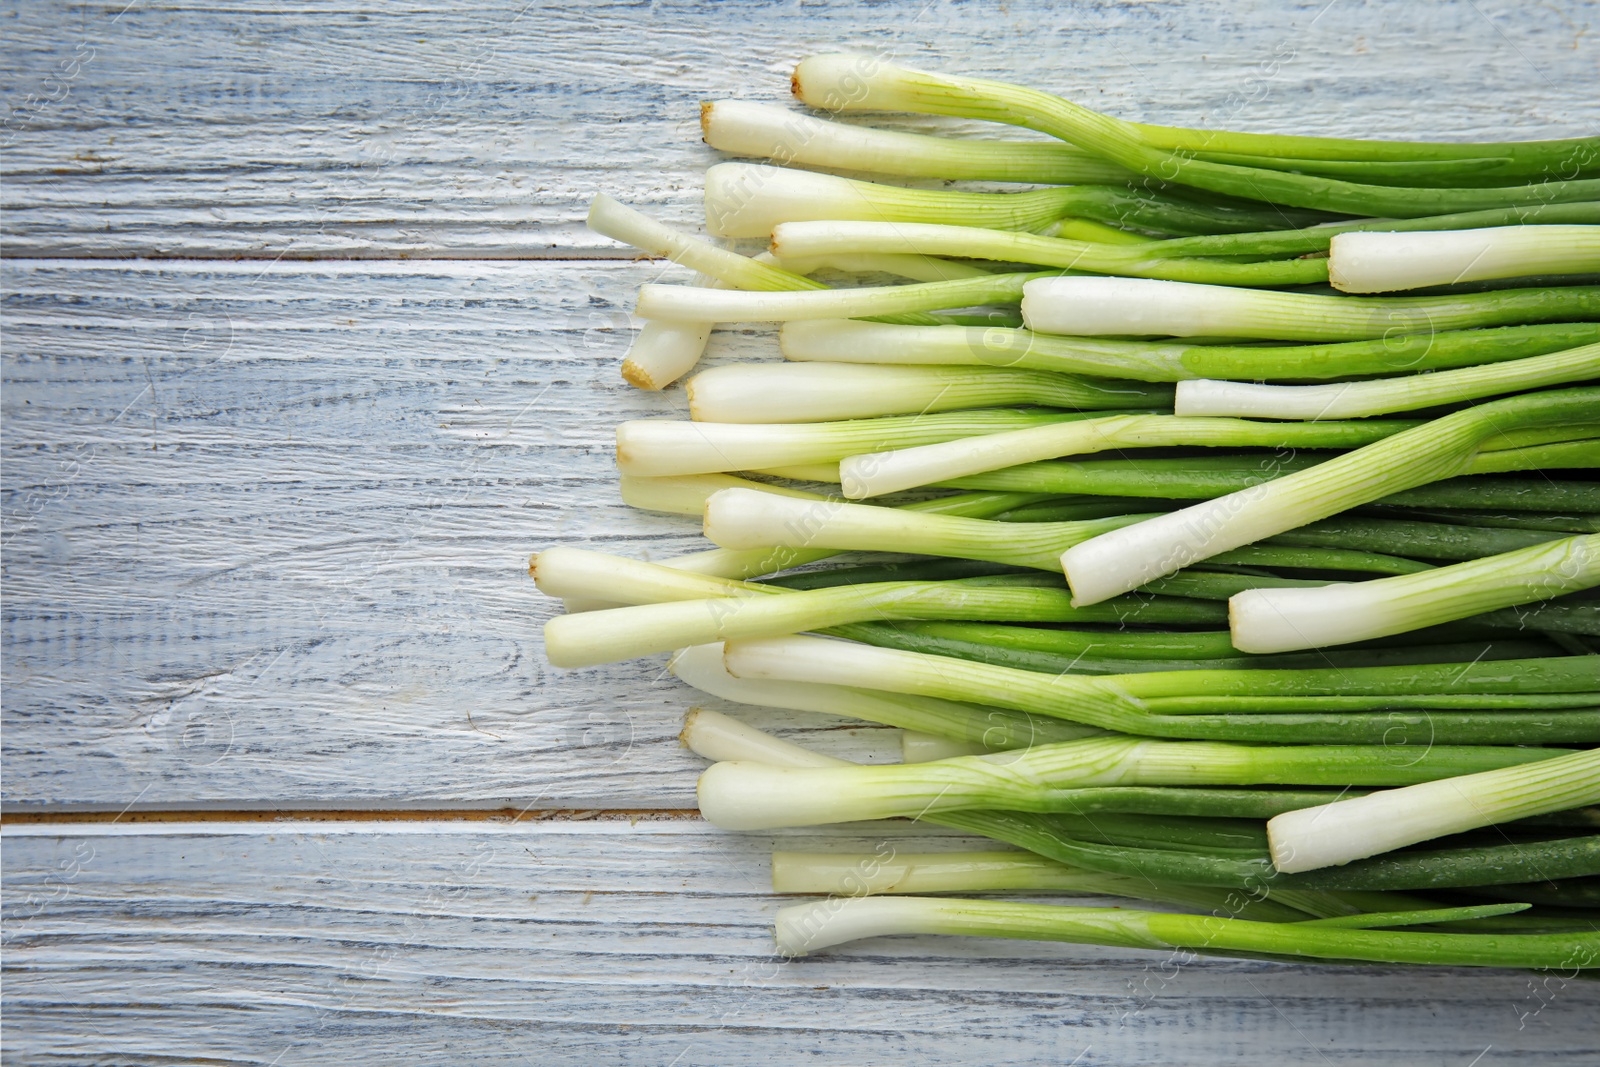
[265, 522]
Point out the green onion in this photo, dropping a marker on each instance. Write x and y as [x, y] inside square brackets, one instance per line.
[1346, 830]
[787, 137]
[803, 928]
[1181, 309]
[718, 737]
[1318, 238]
[755, 796]
[663, 351]
[742, 519]
[725, 611]
[989, 727]
[744, 200]
[1054, 651]
[965, 240]
[1354, 400]
[1397, 352]
[1383, 262]
[748, 200]
[1281, 620]
[903, 467]
[686, 303]
[842, 82]
[1200, 477]
[819, 392]
[1125, 559]
[1235, 705]
[660, 447]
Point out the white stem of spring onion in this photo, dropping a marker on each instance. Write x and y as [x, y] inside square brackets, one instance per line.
[663, 447]
[836, 237]
[1353, 400]
[853, 341]
[1376, 262]
[663, 352]
[748, 200]
[1346, 830]
[1282, 620]
[989, 728]
[715, 736]
[738, 518]
[788, 137]
[754, 796]
[841, 235]
[821, 392]
[577, 572]
[613, 219]
[1147, 306]
[1150, 307]
[687, 303]
[877, 473]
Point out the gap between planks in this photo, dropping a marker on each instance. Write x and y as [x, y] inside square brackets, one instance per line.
[326, 820]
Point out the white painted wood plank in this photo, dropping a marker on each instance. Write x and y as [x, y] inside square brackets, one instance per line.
[266, 531]
[481, 130]
[605, 942]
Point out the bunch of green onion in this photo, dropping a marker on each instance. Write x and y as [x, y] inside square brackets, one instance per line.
[1215, 517]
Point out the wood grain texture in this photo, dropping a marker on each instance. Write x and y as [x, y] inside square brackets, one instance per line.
[605, 942]
[255, 129]
[267, 529]
[265, 525]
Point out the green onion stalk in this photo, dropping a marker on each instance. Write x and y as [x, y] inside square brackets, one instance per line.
[687, 495]
[876, 472]
[661, 447]
[736, 795]
[1378, 262]
[1401, 706]
[664, 351]
[766, 131]
[687, 303]
[1319, 238]
[1353, 829]
[968, 241]
[743, 519]
[991, 728]
[1125, 559]
[825, 392]
[746, 200]
[1202, 477]
[849, 82]
[804, 928]
[1282, 620]
[1399, 352]
[717, 737]
[1054, 651]
[1146, 306]
[1355, 400]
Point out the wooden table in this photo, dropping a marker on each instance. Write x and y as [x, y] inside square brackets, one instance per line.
[306, 349]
